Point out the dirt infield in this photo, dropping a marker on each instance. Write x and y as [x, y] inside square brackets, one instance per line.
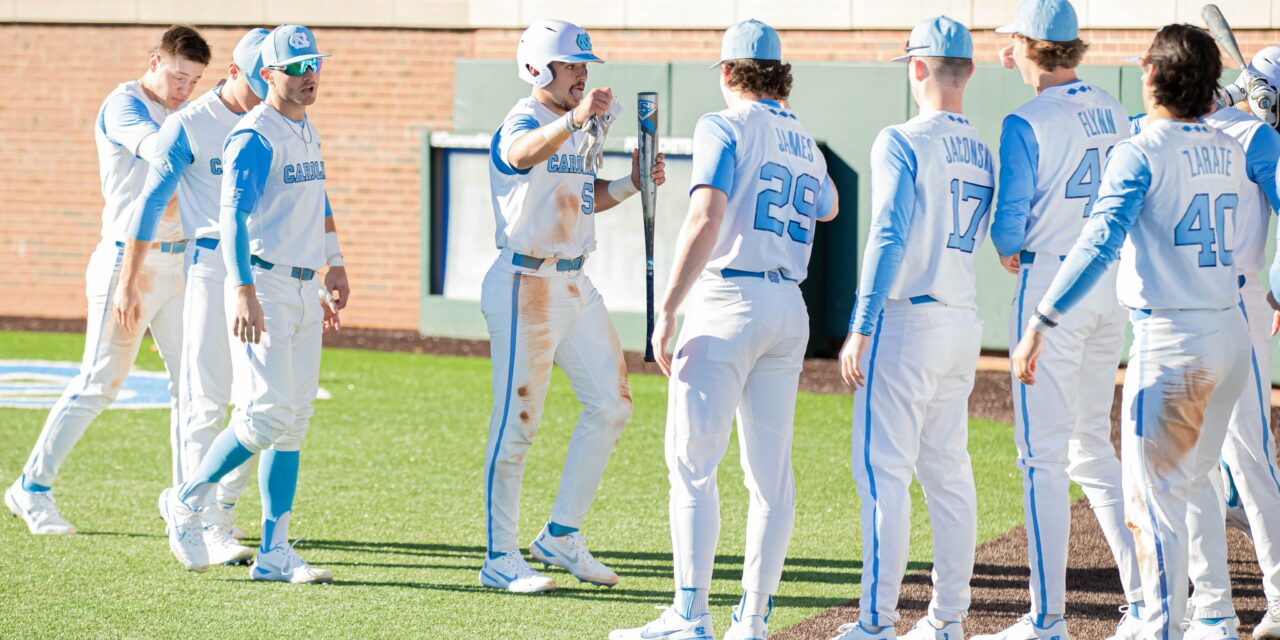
[1000, 576]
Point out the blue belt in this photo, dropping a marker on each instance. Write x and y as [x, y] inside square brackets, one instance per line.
[207, 243]
[164, 247]
[300, 273]
[562, 264]
[925, 299]
[771, 276]
[1240, 280]
[1029, 257]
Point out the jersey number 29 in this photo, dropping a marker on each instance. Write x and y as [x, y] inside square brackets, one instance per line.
[804, 201]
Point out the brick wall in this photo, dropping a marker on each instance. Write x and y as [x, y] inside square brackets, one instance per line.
[381, 89]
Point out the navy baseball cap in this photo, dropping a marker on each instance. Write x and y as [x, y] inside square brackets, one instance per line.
[939, 37]
[750, 39]
[289, 43]
[248, 56]
[1052, 20]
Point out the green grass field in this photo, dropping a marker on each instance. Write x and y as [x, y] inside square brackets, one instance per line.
[391, 500]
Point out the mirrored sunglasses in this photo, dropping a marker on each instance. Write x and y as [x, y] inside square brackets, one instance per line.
[301, 67]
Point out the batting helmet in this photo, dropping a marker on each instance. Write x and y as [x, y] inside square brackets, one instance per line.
[548, 41]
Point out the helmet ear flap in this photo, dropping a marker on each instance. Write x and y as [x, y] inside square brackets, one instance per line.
[538, 75]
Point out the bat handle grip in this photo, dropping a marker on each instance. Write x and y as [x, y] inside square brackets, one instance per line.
[648, 341]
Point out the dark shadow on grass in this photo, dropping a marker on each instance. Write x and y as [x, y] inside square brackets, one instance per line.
[119, 534]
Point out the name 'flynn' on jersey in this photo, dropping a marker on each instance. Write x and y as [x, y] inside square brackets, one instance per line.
[775, 177]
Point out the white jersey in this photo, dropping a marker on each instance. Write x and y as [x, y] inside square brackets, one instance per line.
[121, 165]
[1173, 256]
[286, 221]
[1254, 214]
[779, 188]
[547, 210]
[1075, 125]
[206, 123]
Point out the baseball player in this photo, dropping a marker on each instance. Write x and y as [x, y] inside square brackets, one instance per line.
[542, 309]
[759, 187]
[914, 338]
[272, 224]
[1052, 150]
[1170, 196]
[190, 163]
[125, 134]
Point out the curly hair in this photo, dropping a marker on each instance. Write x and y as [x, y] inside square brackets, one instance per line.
[1050, 55]
[1185, 68]
[763, 78]
[182, 41]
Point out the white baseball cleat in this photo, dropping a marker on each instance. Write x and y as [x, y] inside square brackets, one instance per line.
[283, 564]
[186, 531]
[222, 548]
[570, 553]
[224, 516]
[856, 631]
[1027, 629]
[510, 572]
[38, 510]
[750, 628]
[1130, 626]
[669, 626]
[1225, 629]
[929, 629]
[1269, 626]
[1236, 519]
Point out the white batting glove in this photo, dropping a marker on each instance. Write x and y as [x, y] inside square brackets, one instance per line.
[595, 130]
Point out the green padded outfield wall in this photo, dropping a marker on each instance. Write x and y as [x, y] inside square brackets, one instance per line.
[844, 105]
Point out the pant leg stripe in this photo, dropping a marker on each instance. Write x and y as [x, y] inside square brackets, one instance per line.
[871, 477]
[506, 411]
[1031, 472]
[1262, 408]
[1165, 619]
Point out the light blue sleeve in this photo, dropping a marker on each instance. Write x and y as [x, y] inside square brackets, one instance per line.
[125, 121]
[826, 197]
[246, 162]
[511, 129]
[1125, 181]
[328, 209]
[1274, 272]
[174, 156]
[233, 225]
[1019, 157]
[1260, 162]
[714, 154]
[893, 203]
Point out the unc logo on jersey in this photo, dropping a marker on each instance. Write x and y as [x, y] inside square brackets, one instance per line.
[215, 166]
[584, 41]
[299, 40]
[304, 171]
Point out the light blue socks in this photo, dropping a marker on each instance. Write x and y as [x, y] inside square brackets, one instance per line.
[278, 479]
[226, 453]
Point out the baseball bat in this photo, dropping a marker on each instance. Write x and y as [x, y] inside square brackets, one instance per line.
[647, 137]
[1222, 32]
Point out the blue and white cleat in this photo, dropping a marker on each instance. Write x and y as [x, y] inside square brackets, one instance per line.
[185, 530]
[856, 631]
[1027, 629]
[749, 628]
[1221, 629]
[669, 626]
[929, 629]
[1130, 626]
[510, 572]
[282, 564]
[570, 553]
[38, 510]
[1269, 626]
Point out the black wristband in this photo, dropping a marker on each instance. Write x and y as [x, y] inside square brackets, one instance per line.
[1044, 320]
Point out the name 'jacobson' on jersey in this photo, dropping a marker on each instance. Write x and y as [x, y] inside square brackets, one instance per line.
[775, 177]
[547, 210]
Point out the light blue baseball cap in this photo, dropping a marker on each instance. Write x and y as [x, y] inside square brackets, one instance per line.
[1052, 20]
[750, 39]
[939, 37]
[289, 43]
[248, 56]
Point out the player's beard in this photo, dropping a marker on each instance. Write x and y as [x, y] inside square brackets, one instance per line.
[569, 101]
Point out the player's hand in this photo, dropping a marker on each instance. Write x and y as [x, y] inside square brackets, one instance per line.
[658, 171]
[855, 347]
[1026, 354]
[331, 322]
[1012, 264]
[664, 326]
[1006, 57]
[595, 103]
[1275, 323]
[335, 282]
[249, 322]
[128, 305]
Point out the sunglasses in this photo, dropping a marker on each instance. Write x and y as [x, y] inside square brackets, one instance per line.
[301, 67]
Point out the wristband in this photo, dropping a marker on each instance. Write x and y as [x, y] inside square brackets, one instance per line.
[332, 251]
[1044, 320]
[622, 188]
[569, 124]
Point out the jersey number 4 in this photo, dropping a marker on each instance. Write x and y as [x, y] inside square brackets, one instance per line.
[804, 201]
[965, 236]
[1084, 181]
[1196, 228]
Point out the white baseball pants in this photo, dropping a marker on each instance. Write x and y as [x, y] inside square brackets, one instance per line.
[109, 353]
[277, 379]
[204, 388]
[913, 416]
[1187, 369]
[536, 318]
[1250, 453]
[740, 350]
[1062, 429]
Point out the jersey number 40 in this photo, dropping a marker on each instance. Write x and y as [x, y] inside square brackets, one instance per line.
[1197, 228]
[803, 199]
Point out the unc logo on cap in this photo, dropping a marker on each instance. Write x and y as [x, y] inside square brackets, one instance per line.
[584, 41]
[298, 40]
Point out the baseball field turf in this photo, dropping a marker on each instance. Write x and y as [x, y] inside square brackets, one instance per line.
[391, 498]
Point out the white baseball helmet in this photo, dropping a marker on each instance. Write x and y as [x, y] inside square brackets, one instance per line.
[547, 41]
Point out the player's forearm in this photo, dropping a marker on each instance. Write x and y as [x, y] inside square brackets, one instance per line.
[611, 193]
[536, 146]
[1019, 155]
[1084, 266]
[135, 253]
[879, 271]
[694, 245]
[234, 228]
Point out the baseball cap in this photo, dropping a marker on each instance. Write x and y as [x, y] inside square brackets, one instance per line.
[1052, 20]
[750, 39]
[1266, 65]
[289, 43]
[939, 37]
[248, 56]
